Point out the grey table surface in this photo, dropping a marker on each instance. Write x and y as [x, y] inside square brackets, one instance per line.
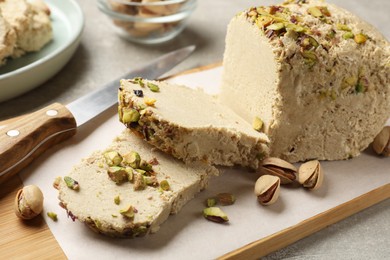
[103, 55]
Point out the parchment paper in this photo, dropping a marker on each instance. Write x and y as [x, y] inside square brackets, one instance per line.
[188, 235]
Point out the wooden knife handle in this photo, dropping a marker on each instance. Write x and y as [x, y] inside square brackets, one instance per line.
[24, 139]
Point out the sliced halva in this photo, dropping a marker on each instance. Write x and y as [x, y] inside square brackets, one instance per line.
[189, 124]
[158, 186]
[317, 75]
[30, 19]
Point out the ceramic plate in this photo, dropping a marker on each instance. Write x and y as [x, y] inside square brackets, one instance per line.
[29, 71]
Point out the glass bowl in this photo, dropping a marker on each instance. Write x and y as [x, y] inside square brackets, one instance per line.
[149, 21]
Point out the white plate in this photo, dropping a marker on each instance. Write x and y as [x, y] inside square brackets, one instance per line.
[27, 72]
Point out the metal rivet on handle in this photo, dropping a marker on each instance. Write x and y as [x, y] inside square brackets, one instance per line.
[13, 133]
[51, 112]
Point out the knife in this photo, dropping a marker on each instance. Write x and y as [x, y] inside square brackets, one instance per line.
[25, 138]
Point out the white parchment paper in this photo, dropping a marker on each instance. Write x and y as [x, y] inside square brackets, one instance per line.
[188, 235]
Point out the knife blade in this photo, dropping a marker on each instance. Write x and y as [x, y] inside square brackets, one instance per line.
[25, 138]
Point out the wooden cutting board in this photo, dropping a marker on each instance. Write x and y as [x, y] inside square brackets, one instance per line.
[33, 239]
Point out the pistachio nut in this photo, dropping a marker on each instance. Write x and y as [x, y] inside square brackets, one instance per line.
[215, 214]
[132, 159]
[52, 215]
[153, 87]
[164, 185]
[257, 124]
[310, 175]
[117, 199]
[267, 189]
[151, 180]
[143, 165]
[118, 174]
[71, 183]
[128, 212]
[225, 199]
[130, 115]
[360, 38]
[113, 158]
[211, 202]
[139, 182]
[28, 202]
[280, 168]
[315, 11]
[381, 144]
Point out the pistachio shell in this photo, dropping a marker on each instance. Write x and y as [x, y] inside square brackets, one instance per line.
[267, 189]
[279, 163]
[381, 144]
[28, 202]
[310, 175]
[280, 168]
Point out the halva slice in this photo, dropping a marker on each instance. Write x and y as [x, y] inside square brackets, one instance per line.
[189, 124]
[315, 74]
[129, 189]
[30, 19]
[7, 40]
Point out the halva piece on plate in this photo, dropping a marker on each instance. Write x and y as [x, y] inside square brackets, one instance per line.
[30, 22]
[315, 74]
[129, 189]
[189, 124]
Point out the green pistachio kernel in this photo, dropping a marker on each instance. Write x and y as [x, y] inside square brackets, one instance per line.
[257, 124]
[343, 27]
[128, 212]
[117, 174]
[52, 215]
[151, 180]
[324, 10]
[117, 199]
[276, 26]
[211, 202]
[130, 173]
[143, 165]
[360, 38]
[130, 115]
[310, 58]
[113, 158]
[72, 184]
[360, 88]
[348, 35]
[295, 28]
[132, 159]
[153, 87]
[215, 214]
[314, 11]
[139, 81]
[164, 185]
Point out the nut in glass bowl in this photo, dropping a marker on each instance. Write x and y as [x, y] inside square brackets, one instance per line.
[148, 21]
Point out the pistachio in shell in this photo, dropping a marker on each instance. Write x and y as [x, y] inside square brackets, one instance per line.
[28, 202]
[280, 168]
[310, 175]
[267, 189]
[381, 143]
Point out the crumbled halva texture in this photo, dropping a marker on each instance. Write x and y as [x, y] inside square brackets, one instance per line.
[122, 209]
[317, 76]
[189, 124]
[7, 39]
[30, 21]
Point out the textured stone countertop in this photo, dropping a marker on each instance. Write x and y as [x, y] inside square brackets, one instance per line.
[103, 56]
